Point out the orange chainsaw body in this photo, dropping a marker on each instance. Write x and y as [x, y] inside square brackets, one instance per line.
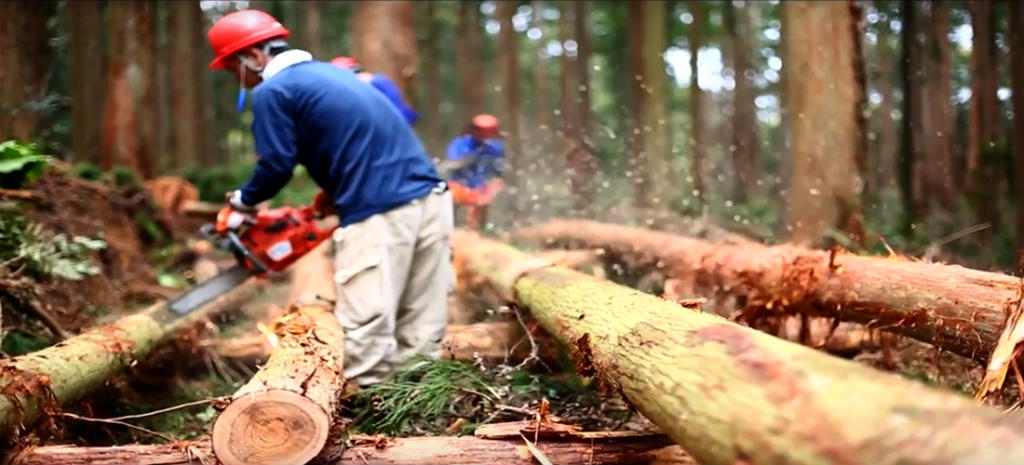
[275, 238]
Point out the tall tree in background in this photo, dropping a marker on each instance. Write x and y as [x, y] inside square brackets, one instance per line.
[637, 97]
[820, 102]
[937, 109]
[583, 51]
[983, 164]
[85, 31]
[123, 137]
[24, 67]
[508, 63]
[909, 69]
[887, 140]
[185, 22]
[311, 12]
[541, 86]
[656, 164]
[385, 41]
[695, 38]
[431, 123]
[746, 145]
[469, 61]
[1016, 32]
[578, 157]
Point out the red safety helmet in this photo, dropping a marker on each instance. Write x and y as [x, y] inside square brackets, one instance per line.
[347, 63]
[484, 126]
[240, 29]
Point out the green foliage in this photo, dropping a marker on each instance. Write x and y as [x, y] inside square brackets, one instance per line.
[18, 342]
[151, 231]
[88, 171]
[20, 164]
[123, 176]
[213, 182]
[422, 389]
[26, 244]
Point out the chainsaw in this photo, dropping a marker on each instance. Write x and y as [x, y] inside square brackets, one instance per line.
[265, 244]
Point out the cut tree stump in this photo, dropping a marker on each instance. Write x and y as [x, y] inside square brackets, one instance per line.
[284, 414]
[365, 450]
[954, 308]
[729, 394]
[62, 374]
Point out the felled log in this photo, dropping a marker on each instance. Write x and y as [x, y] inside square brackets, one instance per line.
[363, 450]
[65, 372]
[285, 412]
[955, 308]
[729, 394]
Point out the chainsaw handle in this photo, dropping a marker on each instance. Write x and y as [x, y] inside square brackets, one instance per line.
[241, 251]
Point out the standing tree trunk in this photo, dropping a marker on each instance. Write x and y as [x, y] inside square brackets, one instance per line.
[311, 12]
[579, 159]
[938, 109]
[983, 163]
[821, 98]
[385, 41]
[431, 46]
[145, 89]
[508, 63]
[695, 38]
[908, 160]
[185, 100]
[25, 69]
[657, 167]
[746, 145]
[121, 143]
[85, 39]
[637, 97]
[886, 145]
[469, 62]
[731, 395]
[1016, 31]
[583, 51]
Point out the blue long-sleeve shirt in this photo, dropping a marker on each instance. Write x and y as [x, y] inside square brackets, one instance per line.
[392, 92]
[350, 138]
[487, 154]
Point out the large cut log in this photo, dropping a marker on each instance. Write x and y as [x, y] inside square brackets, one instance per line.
[729, 394]
[284, 414]
[640, 450]
[66, 372]
[952, 307]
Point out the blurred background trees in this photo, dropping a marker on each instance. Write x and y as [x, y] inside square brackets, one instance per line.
[805, 121]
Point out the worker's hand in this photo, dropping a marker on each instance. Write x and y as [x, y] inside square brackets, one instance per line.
[323, 205]
[234, 199]
[229, 219]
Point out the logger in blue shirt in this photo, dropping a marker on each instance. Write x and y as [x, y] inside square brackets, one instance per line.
[392, 263]
[382, 83]
[474, 166]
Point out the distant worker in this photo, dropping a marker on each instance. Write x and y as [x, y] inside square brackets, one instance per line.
[474, 167]
[383, 84]
[392, 249]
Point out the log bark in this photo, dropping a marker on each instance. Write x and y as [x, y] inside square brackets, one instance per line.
[647, 449]
[954, 308]
[66, 372]
[729, 394]
[285, 412]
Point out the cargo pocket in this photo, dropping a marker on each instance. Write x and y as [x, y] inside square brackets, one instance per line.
[363, 291]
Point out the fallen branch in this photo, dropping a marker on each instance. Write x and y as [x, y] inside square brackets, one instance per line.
[285, 412]
[64, 373]
[366, 450]
[729, 394]
[954, 308]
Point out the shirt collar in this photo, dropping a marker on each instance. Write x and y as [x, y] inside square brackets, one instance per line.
[284, 60]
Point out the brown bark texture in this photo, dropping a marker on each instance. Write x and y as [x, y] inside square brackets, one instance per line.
[284, 414]
[86, 61]
[983, 163]
[937, 110]
[1016, 32]
[820, 101]
[25, 69]
[363, 450]
[746, 143]
[695, 39]
[385, 41]
[311, 12]
[431, 47]
[952, 307]
[508, 63]
[34, 383]
[469, 62]
[122, 143]
[728, 394]
[637, 93]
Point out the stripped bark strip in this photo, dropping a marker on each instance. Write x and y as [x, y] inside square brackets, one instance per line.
[66, 372]
[285, 412]
[729, 394]
[954, 308]
[362, 450]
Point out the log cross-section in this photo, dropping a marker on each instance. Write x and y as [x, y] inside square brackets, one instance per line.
[729, 394]
[284, 414]
[954, 308]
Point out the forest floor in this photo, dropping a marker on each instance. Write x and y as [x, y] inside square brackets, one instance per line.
[149, 256]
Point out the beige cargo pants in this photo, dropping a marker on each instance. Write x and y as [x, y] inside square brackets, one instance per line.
[393, 273]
